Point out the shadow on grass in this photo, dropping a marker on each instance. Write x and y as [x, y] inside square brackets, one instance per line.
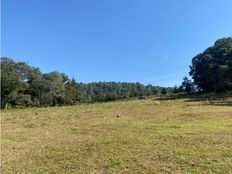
[225, 103]
[218, 99]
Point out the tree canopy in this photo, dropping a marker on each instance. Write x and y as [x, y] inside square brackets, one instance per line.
[23, 85]
[211, 70]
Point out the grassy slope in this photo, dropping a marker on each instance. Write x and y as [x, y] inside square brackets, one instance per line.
[150, 136]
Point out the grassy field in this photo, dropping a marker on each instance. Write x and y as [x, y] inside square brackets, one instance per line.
[147, 136]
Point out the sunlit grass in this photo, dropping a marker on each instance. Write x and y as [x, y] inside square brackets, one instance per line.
[150, 136]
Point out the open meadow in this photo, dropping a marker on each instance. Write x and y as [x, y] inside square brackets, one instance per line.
[136, 136]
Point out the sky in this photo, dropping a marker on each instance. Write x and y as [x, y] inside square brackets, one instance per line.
[146, 41]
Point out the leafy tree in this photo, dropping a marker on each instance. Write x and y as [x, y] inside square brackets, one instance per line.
[176, 90]
[71, 92]
[187, 85]
[57, 87]
[40, 90]
[164, 91]
[212, 69]
[20, 99]
[10, 80]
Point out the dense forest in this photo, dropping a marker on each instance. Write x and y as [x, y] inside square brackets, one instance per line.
[24, 85]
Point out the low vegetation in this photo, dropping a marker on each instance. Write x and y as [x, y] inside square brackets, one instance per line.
[156, 135]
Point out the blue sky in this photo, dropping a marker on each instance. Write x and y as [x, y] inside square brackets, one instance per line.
[149, 41]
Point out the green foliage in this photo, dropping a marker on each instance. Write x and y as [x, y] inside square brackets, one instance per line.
[212, 69]
[71, 92]
[57, 87]
[163, 91]
[114, 163]
[10, 79]
[187, 85]
[107, 91]
[23, 85]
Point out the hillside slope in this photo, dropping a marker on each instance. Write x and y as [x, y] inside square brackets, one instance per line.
[147, 136]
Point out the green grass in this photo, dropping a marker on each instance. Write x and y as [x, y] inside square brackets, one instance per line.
[150, 136]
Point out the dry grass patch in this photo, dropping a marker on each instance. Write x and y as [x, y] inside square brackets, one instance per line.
[177, 136]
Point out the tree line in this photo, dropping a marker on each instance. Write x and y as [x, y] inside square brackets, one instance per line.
[24, 85]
